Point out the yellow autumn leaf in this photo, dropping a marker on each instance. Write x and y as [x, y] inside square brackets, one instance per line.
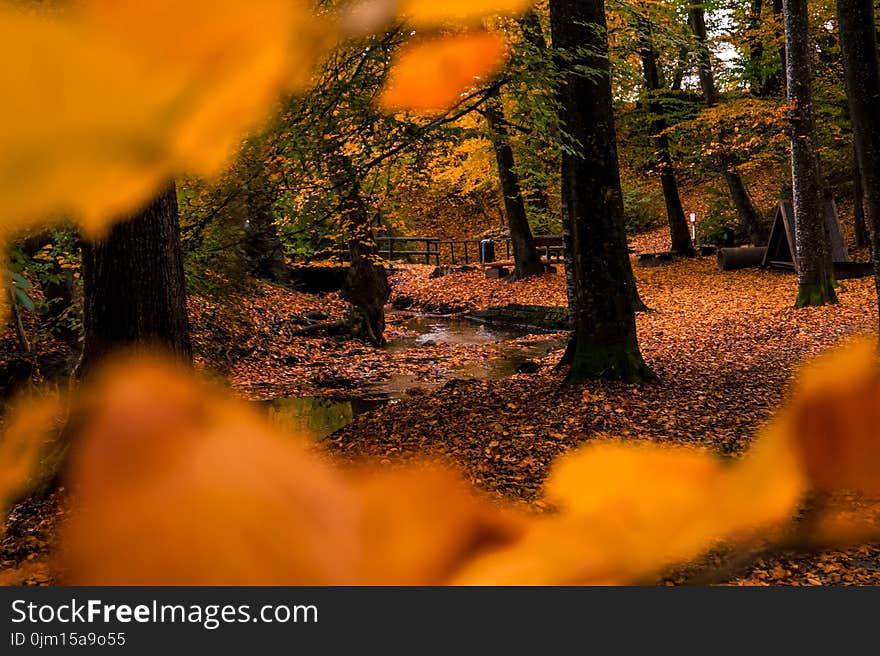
[431, 74]
[833, 419]
[118, 96]
[430, 12]
[627, 510]
[175, 484]
[27, 429]
[409, 538]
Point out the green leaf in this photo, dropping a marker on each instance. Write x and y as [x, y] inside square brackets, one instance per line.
[19, 280]
[24, 300]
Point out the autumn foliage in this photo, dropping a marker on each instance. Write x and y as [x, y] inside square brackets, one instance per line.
[175, 483]
[178, 484]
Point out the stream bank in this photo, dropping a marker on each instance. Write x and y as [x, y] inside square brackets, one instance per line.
[446, 348]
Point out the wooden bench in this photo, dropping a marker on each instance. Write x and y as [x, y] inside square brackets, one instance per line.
[552, 246]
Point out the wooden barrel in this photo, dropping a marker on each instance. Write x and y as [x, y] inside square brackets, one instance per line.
[730, 259]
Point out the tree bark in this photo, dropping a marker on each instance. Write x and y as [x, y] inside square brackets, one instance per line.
[777, 84]
[863, 239]
[366, 287]
[134, 290]
[762, 83]
[601, 284]
[813, 243]
[745, 208]
[678, 226]
[526, 260]
[537, 196]
[862, 73]
[262, 246]
[756, 50]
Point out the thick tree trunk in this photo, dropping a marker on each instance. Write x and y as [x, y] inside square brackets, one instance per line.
[134, 291]
[678, 227]
[526, 260]
[862, 73]
[815, 269]
[745, 208]
[601, 283]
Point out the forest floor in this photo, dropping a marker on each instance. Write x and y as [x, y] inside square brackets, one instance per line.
[725, 347]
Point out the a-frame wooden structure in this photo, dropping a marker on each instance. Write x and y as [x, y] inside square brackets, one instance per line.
[781, 246]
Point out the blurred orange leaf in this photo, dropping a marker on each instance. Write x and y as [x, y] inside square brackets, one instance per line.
[834, 419]
[627, 510]
[430, 12]
[120, 95]
[175, 484]
[21, 444]
[433, 73]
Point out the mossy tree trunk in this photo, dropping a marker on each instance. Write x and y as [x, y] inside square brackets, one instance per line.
[812, 240]
[601, 282]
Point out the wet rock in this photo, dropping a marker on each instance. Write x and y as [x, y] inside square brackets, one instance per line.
[332, 381]
[528, 367]
[402, 302]
[540, 316]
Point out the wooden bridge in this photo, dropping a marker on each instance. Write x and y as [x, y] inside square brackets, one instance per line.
[459, 251]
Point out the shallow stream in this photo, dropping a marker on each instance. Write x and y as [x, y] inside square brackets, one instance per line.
[315, 417]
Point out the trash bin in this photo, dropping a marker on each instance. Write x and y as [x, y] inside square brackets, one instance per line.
[487, 251]
[728, 237]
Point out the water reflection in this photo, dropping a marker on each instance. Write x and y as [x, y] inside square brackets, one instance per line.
[450, 330]
[315, 417]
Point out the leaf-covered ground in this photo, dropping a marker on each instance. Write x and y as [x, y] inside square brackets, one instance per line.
[724, 345]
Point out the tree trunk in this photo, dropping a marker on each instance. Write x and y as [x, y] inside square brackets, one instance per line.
[777, 84]
[134, 291]
[601, 284]
[762, 82]
[262, 247]
[537, 196]
[813, 243]
[526, 260]
[862, 73]
[366, 287]
[756, 50]
[863, 239]
[745, 208]
[678, 226]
